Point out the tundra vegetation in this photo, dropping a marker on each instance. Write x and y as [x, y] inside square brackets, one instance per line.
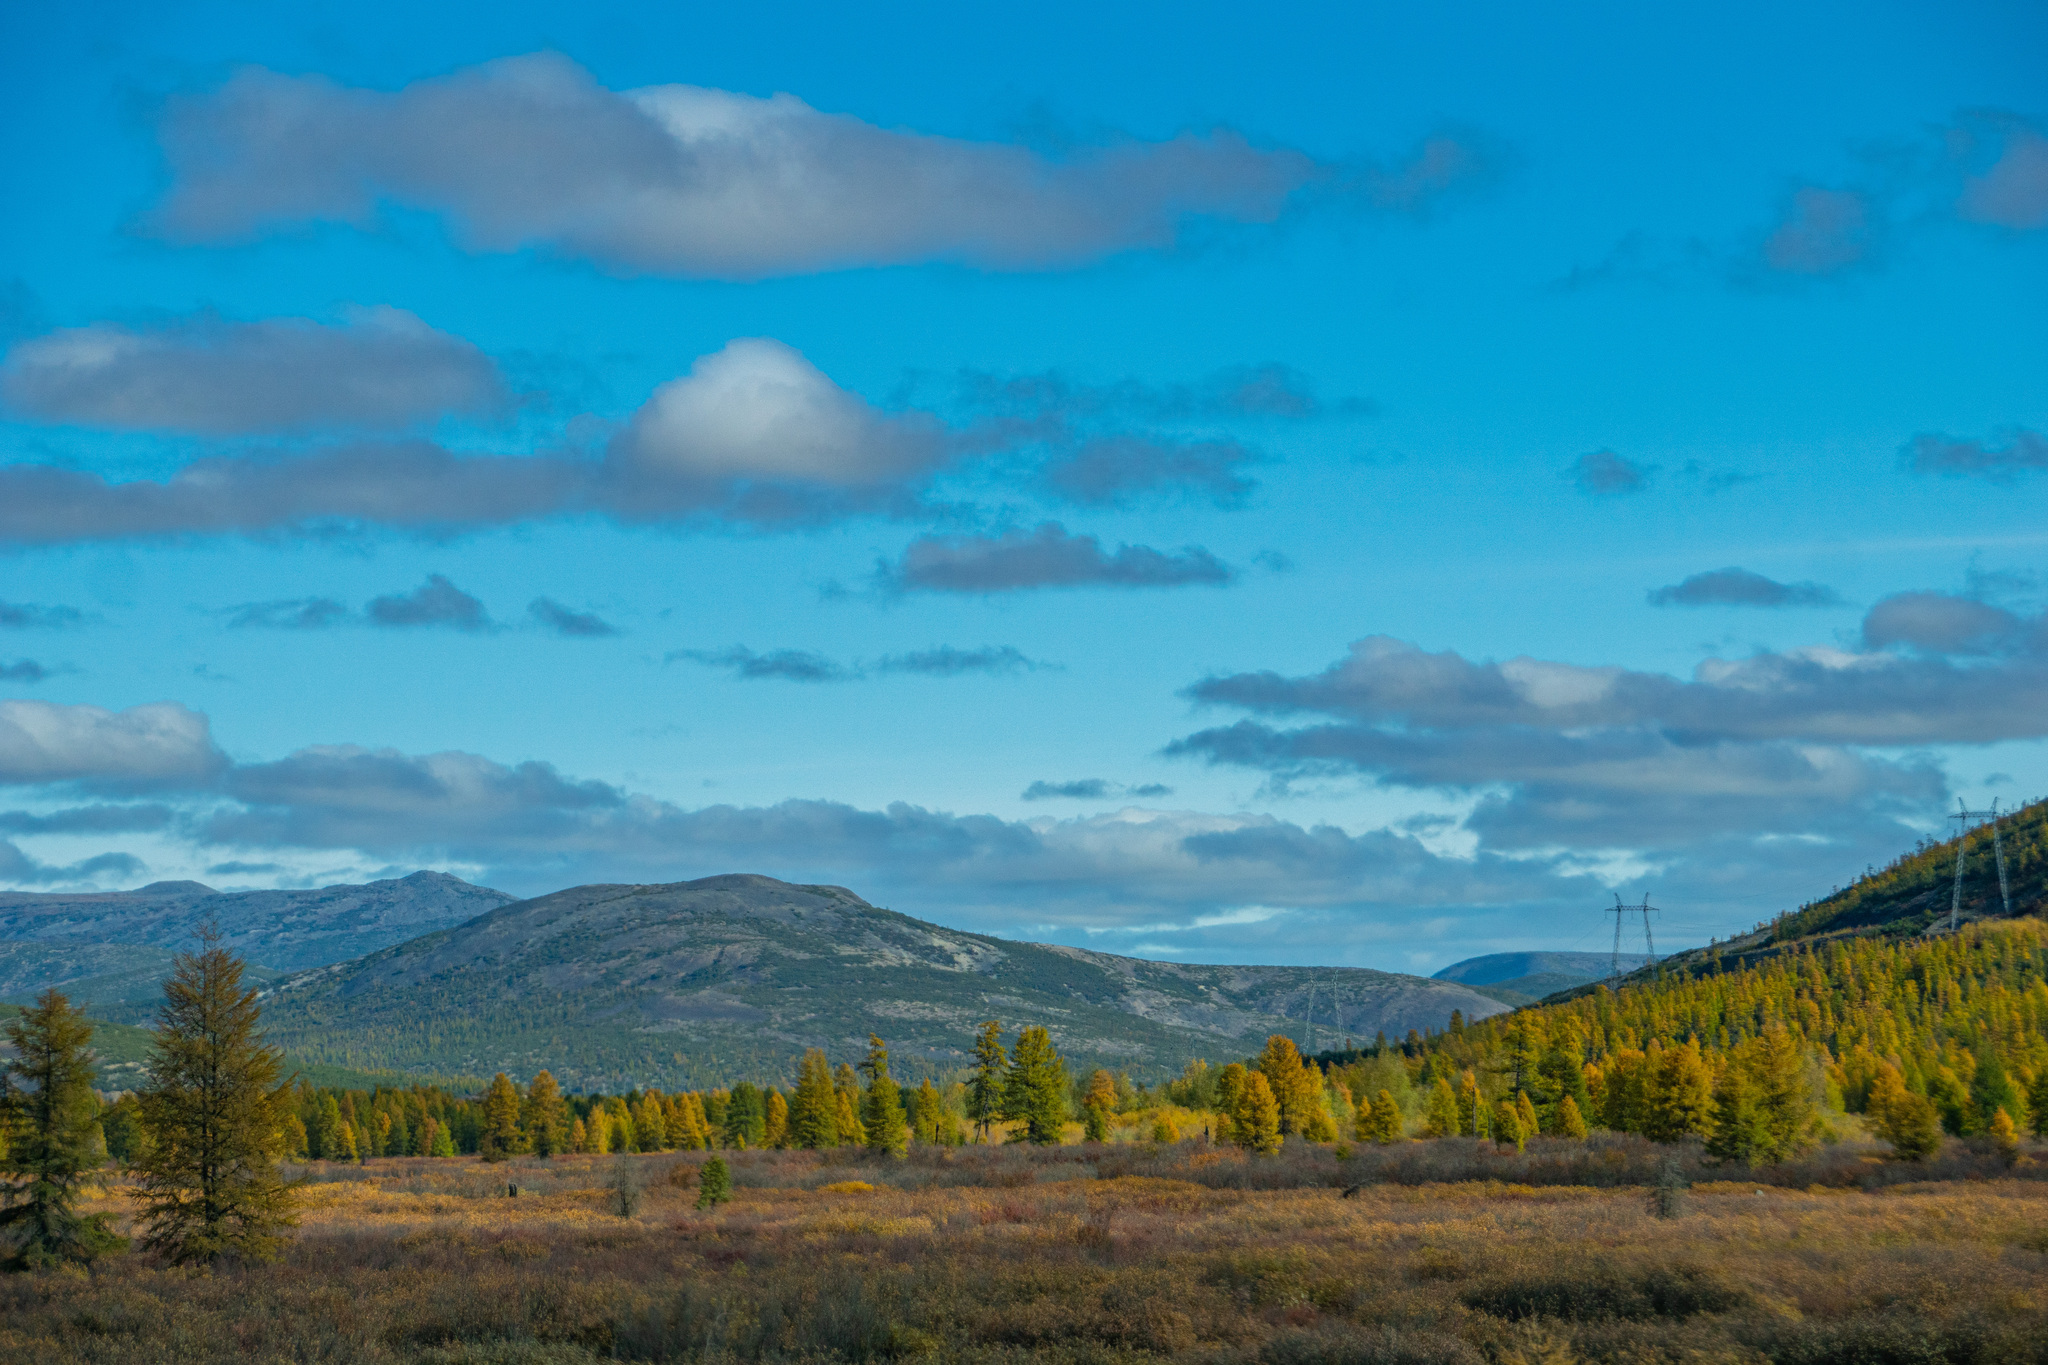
[1819, 1156]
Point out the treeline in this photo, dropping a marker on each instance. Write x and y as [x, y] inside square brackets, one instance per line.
[1948, 1034]
[865, 1106]
[1759, 1062]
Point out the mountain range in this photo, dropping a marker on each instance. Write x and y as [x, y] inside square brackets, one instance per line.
[710, 981]
[109, 950]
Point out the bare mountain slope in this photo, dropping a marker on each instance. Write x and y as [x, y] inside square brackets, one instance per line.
[729, 977]
[109, 949]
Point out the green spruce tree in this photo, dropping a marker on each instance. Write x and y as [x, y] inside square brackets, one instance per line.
[214, 1109]
[986, 1092]
[714, 1184]
[882, 1107]
[814, 1108]
[1036, 1093]
[50, 1136]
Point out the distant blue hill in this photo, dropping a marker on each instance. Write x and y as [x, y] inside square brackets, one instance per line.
[1495, 968]
[1520, 978]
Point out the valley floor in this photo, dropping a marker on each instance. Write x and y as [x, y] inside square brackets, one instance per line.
[1105, 1254]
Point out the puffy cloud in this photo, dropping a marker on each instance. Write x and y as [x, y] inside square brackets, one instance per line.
[760, 429]
[160, 745]
[346, 796]
[1733, 587]
[437, 602]
[406, 486]
[1049, 556]
[381, 369]
[1943, 623]
[562, 621]
[789, 665]
[530, 827]
[1681, 772]
[754, 435]
[1822, 231]
[1606, 474]
[1816, 696]
[2025, 453]
[682, 180]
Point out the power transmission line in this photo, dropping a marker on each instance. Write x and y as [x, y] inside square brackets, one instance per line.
[1963, 816]
[1620, 913]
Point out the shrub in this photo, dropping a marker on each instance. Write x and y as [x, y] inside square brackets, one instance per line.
[714, 1186]
[1591, 1293]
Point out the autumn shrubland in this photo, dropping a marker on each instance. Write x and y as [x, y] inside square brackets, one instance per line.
[1446, 1251]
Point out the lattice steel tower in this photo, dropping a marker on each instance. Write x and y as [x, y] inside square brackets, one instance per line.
[1963, 816]
[1620, 913]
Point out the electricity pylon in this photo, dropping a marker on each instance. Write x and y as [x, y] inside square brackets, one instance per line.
[1620, 911]
[1963, 816]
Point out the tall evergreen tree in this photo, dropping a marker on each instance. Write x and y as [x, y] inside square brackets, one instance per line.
[545, 1117]
[1036, 1094]
[986, 1091]
[882, 1106]
[814, 1110]
[746, 1117]
[214, 1110]
[1741, 1130]
[47, 1139]
[501, 1136]
[775, 1130]
[1777, 1064]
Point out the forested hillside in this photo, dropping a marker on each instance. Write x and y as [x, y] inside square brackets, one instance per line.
[730, 978]
[1913, 893]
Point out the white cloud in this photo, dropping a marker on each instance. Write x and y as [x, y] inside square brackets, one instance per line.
[381, 369]
[758, 410]
[159, 745]
[684, 180]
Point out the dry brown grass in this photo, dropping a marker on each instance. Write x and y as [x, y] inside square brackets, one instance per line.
[1077, 1256]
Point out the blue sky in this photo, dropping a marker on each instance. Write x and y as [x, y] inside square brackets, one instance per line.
[1362, 487]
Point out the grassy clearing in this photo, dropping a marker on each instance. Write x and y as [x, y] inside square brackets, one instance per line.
[1100, 1254]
